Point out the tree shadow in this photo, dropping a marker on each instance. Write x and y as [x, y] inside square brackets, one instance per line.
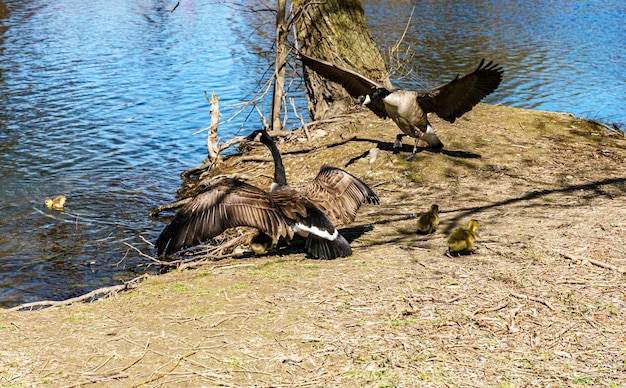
[392, 215]
[388, 147]
[593, 190]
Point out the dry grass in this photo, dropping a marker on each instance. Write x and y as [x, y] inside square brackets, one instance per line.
[532, 307]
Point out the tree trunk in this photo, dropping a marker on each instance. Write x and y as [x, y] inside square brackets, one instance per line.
[281, 56]
[336, 31]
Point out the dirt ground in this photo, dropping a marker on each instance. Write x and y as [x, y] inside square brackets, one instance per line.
[542, 301]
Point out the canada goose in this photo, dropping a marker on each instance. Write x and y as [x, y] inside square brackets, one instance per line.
[228, 202]
[336, 192]
[428, 221]
[56, 203]
[462, 239]
[408, 109]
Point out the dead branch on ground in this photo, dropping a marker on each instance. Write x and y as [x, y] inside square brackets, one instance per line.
[595, 262]
[107, 291]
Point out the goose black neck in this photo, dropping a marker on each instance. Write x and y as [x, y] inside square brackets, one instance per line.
[280, 178]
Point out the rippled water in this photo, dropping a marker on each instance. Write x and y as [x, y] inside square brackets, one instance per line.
[99, 101]
[563, 55]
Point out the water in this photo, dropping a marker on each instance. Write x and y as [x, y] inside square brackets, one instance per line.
[563, 55]
[100, 100]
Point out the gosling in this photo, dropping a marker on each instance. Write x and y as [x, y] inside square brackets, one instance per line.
[461, 241]
[428, 221]
[56, 203]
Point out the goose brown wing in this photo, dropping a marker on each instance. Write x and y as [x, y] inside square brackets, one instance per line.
[452, 100]
[338, 193]
[225, 204]
[355, 84]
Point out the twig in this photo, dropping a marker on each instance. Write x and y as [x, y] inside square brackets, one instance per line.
[145, 350]
[503, 304]
[534, 299]
[99, 379]
[102, 364]
[140, 252]
[161, 374]
[169, 206]
[176, 6]
[129, 285]
[595, 262]
[302, 123]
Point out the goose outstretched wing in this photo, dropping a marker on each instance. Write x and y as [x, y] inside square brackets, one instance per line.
[224, 204]
[459, 96]
[338, 193]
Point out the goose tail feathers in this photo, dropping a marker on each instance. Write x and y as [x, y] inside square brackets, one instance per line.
[325, 249]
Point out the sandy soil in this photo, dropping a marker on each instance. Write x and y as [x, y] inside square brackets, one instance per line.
[542, 301]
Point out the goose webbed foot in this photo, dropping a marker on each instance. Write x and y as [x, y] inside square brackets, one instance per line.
[410, 157]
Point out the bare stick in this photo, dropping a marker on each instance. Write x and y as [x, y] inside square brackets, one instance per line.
[145, 349]
[598, 263]
[212, 139]
[534, 299]
[302, 123]
[169, 206]
[161, 374]
[129, 285]
[483, 310]
[176, 6]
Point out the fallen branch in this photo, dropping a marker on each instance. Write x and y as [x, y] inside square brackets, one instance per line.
[170, 206]
[595, 262]
[129, 285]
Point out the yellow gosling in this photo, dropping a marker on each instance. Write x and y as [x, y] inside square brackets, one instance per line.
[427, 222]
[261, 243]
[462, 239]
[56, 203]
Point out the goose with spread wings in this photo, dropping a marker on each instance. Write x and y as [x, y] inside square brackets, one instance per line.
[283, 212]
[228, 202]
[336, 192]
[409, 109]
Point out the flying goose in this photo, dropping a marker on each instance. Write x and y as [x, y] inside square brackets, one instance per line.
[428, 221]
[228, 202]
[462, 239]
[408, 109]
[336, 192]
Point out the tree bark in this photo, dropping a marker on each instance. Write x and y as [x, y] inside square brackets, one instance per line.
[281, 57]
[336, 31]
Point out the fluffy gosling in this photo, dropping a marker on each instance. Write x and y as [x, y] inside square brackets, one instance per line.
[462, 240]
